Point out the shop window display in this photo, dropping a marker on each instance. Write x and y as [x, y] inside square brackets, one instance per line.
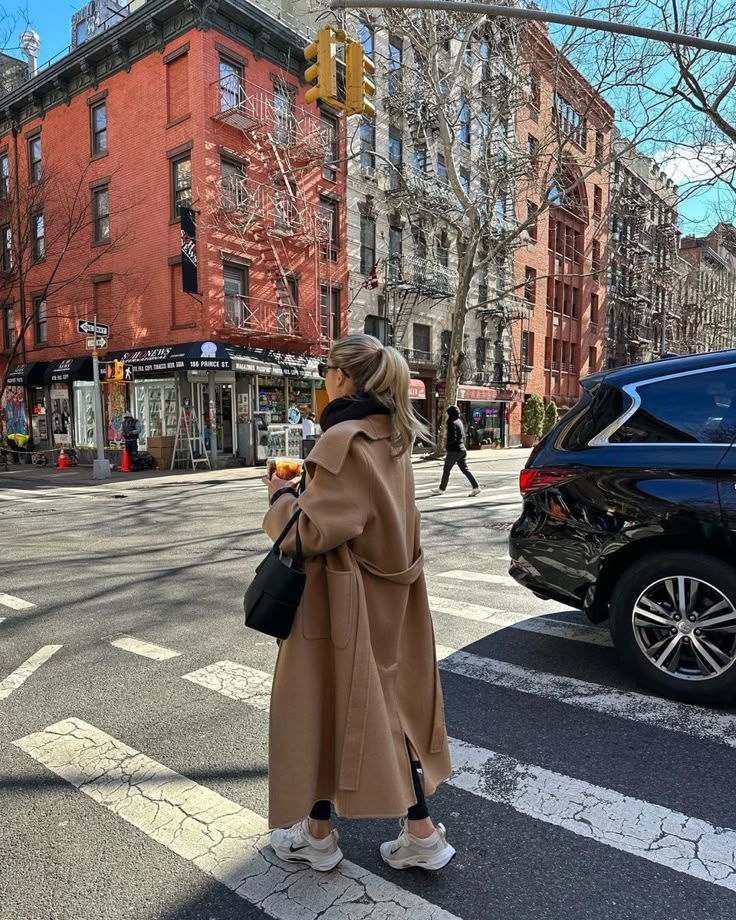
[17, 430]
[84, 413]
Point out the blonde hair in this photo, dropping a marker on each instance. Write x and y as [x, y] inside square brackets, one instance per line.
[381, 372]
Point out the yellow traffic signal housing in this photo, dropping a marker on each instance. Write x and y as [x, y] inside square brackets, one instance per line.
[360, 86]
[324, 68]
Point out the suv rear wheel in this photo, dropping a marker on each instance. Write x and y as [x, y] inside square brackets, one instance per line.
[673, 621]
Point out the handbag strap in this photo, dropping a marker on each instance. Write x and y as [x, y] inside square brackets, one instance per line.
[294, 519]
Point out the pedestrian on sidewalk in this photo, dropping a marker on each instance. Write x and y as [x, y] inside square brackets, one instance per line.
[356, 704]
[131, 432]
[457, 453]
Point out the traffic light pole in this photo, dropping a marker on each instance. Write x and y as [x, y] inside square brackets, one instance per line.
[512, 12]
[100, 466]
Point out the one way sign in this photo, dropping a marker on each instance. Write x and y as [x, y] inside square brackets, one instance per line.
[87, 328]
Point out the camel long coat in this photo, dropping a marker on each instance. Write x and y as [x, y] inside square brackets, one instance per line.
[358, 674]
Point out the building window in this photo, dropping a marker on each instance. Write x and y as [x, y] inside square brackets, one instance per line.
[599, 147]
[527, 349]
[34, 160]
[231, 85]
[420, 159]
[98, 127]
[367, 38]
[464, 177]
[395, 148]
[570, 121]
[395, 252]
[530, 284]
[575, 302]
[592, 359]
[40, 320]
[38, 237]
[181, 185]
[422, 339]
[4, 177]
[533, 229]
[283, 116]
[465, 116]
[367, 243]
[330, 304]
[235, 283]
[595, 258]
[597, 202]
[535, 89]
[368, 145]
[573, 358]
[395, 54]
[443, 250]
[331, 142]
[6, 248]
[232, 183]
[441, 168]
[594, 309]
[328, 210]
[8, 327]
[101, 207]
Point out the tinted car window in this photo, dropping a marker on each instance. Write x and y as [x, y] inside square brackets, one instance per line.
[694, 409]
[597, 410]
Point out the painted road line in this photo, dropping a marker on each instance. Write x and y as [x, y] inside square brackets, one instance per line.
[26, 501]
[668, 838]
[503, 619]
[21, 674]
[485, 577]
[228, 842]
[15, 603]
[237, 681]
[709, 725]
[146, 649]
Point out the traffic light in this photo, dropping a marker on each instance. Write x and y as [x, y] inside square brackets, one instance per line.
[324, 69]
[360, 86]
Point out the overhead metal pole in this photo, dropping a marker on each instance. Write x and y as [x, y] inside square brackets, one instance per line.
[513, 12]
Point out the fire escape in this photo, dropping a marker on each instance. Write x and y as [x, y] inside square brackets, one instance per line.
[271, 215]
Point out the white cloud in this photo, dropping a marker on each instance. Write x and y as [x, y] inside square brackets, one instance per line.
[684, 164]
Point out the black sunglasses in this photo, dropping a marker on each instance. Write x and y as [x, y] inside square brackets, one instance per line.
[322, 369]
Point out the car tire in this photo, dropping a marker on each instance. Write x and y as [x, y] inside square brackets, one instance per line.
[627, 591]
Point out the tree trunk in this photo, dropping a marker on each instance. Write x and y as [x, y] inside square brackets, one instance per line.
[466, 272]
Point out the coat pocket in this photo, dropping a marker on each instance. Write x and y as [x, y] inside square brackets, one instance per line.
[315, 606]
[341, 591]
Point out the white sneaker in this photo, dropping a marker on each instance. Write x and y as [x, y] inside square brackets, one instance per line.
[296, 844]
[434, 852]
[474, 492]
[437, 492]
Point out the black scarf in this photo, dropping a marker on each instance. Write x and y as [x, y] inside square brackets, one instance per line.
[349, 409]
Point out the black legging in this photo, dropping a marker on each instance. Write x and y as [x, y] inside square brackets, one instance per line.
[459, 457]
[322, 810]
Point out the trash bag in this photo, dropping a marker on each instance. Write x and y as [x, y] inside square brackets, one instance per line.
[143, 461]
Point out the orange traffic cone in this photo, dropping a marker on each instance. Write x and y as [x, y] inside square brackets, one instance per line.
[125, 466]
[62, 459]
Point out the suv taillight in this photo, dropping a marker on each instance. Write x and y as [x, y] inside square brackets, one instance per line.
[532, 480]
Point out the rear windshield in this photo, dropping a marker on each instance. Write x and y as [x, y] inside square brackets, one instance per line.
[597, 409]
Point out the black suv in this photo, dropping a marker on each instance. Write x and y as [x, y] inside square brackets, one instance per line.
[630, 514]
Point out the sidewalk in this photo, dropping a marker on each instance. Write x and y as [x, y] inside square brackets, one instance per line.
[81, 476]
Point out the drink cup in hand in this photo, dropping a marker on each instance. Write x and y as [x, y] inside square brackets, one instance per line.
[286, 468]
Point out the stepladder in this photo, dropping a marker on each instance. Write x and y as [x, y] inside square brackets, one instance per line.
[189, 445]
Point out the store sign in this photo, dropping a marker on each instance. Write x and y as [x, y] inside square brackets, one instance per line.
[61, 422]
[208, 356]
[417, 389]
[190, 282]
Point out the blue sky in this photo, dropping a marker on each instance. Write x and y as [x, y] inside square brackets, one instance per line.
[52, 20]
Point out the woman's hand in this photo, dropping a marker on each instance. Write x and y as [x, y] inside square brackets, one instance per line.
[274, 484]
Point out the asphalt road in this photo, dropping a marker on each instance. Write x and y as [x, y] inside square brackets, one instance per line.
[133, 755]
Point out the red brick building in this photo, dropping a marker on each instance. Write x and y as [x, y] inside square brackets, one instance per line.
[566, 127]
[171, 108]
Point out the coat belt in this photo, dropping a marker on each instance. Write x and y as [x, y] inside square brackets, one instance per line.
[355, 728]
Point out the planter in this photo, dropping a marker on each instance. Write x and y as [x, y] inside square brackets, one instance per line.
[528, 440]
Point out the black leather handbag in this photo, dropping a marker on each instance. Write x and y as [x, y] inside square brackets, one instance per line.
[274, 594]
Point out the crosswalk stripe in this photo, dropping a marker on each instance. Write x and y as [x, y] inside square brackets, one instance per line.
[504, 619]
[485, 577]
[14, 603]
[26, 501]
[146, 649]
[711, 725]
[655, 833]
[18, 677]
[237, 681]
[669, 838]
[228, 842]
[2, 619]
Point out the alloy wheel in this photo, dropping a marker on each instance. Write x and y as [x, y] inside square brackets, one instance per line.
[686, 628]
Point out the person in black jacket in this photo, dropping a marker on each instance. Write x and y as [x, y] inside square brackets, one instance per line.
[456, 453]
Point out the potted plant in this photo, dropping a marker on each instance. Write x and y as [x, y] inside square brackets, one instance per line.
[532, 419]
[551, 417]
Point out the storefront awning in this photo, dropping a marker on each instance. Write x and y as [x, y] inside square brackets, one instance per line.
[200, 356]
[487, 394]
[27, 375]
[417, 389]
[272, 363]
[61, 373]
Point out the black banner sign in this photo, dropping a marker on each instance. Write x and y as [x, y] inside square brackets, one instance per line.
[190, 282]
